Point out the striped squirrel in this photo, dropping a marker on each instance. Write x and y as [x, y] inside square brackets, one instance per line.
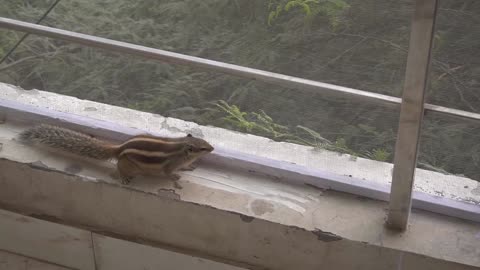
[139, 155]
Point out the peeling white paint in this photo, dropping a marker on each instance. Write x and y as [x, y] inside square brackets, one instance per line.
[252, 186]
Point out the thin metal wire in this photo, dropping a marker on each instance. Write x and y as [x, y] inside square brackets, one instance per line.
[27, 34]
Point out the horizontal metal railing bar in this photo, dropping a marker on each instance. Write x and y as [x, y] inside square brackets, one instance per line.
[177, 58]
[451, 111]
[235, 70]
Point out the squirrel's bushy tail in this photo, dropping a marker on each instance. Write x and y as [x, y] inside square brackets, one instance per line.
[69, 141]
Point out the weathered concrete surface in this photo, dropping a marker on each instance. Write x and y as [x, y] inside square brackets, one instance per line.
[448, 186]
[245, 240]
[25, 240]
[241, 228]
[62, 245]
[228, 215]
[115, 254]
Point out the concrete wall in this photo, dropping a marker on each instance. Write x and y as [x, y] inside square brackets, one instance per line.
[9, 261]
[33, 244]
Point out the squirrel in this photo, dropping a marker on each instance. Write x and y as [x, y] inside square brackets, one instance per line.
[139, 155]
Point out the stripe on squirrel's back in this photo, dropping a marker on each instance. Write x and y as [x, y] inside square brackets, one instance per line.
[152, 144]
[68, 140]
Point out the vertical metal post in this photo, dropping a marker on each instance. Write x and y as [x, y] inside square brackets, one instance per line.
[411, 113]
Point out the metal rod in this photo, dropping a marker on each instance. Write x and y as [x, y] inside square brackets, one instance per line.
[245, 72]
[26, 35]
[464, 115]
[411, 113]
[176, 58]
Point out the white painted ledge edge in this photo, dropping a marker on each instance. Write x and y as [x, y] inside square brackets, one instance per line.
[434, 183]
[281, 170]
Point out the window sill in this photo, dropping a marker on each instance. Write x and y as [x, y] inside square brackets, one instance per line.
[224, 212]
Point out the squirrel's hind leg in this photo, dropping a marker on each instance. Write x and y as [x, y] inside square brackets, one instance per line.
[127, 169]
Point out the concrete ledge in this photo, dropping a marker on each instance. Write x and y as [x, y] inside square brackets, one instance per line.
[247, 240]
[276, 168]
[369, 171]
[228, 215]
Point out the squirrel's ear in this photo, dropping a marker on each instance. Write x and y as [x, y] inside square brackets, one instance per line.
[189, 135]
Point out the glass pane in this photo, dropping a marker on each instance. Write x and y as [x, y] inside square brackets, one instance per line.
[356, 43]
[360, 44]
[455, 68]
[450, 146]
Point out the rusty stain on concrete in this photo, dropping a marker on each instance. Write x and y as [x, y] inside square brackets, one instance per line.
[326, 236]
[246, 218]
[260, 207]
[90, 109]
[40, 165]
[73, 168]
[168, 193]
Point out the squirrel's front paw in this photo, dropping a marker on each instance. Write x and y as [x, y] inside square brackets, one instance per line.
[175, 177]
[177, 185]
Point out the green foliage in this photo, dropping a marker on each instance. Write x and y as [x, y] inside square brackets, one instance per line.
[379, 154]
[258, 123]
[236, 117]
[331, 9]
[318, 140]
[261, 123]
